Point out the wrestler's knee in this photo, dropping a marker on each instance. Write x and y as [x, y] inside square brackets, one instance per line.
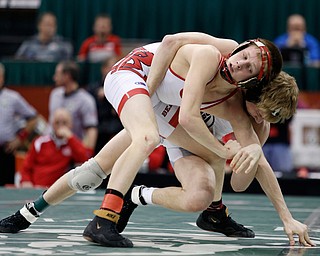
[87, 176]
[152, 141]
[199, 203]
[146, 142]
[200, 198]
[238, 185]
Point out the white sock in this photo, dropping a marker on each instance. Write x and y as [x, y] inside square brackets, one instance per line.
[27, 214]
[142, 195]
[147, 194]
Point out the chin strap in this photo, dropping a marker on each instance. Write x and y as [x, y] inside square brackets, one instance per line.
[225, 73]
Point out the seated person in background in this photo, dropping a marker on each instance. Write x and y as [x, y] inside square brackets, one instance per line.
[102, 44]
[77, 101]
[46, 45]
[297, 38]
[109, 122]
[51, 156]
[13, 107]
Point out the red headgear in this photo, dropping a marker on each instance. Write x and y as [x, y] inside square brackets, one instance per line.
[254, 81]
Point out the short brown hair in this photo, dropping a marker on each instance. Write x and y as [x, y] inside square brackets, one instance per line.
[279, 98]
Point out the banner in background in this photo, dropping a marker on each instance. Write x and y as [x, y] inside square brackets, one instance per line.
[305, 138]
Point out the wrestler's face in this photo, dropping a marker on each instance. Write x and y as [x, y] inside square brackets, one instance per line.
[245, 64]
[254, 112]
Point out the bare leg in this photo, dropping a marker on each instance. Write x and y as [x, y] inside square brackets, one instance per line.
[59, 191]
[197, 192]
[143, 130]
[197, 181]
[181, 138]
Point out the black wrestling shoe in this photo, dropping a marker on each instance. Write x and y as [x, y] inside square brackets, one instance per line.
[14, 223]
[104, 232]
[126, 212]
[219, 221]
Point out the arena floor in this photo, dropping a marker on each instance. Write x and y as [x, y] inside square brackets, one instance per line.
[157, 231]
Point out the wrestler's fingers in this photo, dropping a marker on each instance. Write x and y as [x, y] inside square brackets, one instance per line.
[249, 168]
[235, 159]
[307, 238]
[245, 166]
[238, 168]
[291, 239]
[302, 241]
[240, 165]
[239, 158]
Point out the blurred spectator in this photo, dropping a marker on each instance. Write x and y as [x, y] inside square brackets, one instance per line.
[277, 149]
[46, 45]
[102, 44]
[13, 109]
[50, 156]
[297, 38]
[78, 101]
[109, 122]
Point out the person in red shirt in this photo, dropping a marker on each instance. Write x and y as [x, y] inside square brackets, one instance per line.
[103, 44]
[50, 156]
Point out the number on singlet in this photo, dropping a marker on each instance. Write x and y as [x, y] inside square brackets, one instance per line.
[134, 60]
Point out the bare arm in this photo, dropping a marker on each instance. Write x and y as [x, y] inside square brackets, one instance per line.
[169, 47]
[270, 186]
[246, 160]
[267, 180]
[199, 58]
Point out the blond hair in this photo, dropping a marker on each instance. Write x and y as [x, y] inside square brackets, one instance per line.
[279, 98]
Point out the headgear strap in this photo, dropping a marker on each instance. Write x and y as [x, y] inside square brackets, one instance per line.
[225, 73]
[265, 55]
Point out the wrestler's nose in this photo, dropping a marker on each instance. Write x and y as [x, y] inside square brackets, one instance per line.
[240, 64]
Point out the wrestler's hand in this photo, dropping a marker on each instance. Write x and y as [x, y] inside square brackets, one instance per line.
[232, 147]
[246, 159]
[294, 227]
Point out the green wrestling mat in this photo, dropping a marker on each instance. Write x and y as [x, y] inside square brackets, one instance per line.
[157, 231]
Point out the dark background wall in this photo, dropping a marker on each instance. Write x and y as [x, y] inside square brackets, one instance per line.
[152, 19]
[15, 26]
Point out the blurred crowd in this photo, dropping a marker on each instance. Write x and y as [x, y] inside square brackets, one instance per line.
[81, 121]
